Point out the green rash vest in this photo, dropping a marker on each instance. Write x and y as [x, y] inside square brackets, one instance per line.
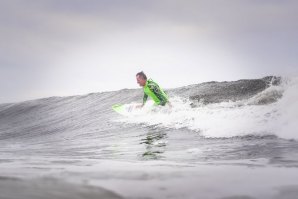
[155, 92]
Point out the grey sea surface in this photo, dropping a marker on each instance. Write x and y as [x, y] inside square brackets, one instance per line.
[78, 147]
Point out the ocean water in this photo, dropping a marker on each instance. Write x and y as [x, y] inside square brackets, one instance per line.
[219, 140]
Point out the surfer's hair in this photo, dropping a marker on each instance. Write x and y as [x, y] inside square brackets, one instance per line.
[142, 74]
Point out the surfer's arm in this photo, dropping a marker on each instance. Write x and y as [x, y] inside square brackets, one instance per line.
[145, 99]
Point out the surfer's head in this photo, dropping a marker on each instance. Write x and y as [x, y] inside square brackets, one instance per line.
[141, 78]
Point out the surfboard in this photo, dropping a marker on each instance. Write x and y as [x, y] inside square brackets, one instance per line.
[123, 109]
[132, 110]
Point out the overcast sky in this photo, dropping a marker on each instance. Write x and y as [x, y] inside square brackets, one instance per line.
[69, 47]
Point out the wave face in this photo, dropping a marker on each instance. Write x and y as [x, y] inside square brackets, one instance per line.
[266, 106]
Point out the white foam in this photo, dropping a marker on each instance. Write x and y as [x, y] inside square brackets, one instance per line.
[287, 124]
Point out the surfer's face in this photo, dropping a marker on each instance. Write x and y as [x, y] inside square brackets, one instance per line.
[141, 81]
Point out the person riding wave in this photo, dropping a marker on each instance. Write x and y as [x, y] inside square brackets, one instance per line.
[153, 90]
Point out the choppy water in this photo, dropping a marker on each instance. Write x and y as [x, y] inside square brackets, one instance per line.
[220, 140]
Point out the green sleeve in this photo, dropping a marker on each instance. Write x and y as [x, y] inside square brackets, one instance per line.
[145, 98]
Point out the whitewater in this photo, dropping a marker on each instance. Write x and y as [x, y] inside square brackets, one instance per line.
[234, 139]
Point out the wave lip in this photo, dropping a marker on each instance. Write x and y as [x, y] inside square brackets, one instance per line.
[216, 92]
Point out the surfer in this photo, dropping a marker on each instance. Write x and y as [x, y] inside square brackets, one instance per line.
[153, 90]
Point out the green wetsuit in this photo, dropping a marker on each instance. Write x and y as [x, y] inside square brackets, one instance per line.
[155, 92]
